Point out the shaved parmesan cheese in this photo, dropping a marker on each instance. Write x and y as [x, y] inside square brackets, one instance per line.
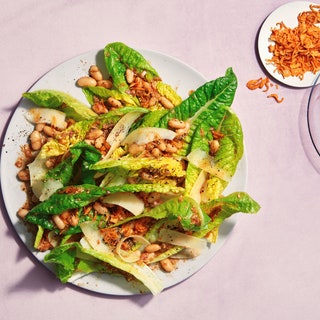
[49, 187]
[186, 253]
[146, 135]
[120, 131]
[94, 237]
[181, 239]
[204, 161]
[131, 256]
[53, 238]
[126, 200]
[195, 192]
[52, 117]
[37, 170]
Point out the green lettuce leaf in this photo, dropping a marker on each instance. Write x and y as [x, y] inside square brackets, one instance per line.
[75, 168]
[183, 209]
[70, 197]
[119, 57]
[76, 197]
[77, 132]
[72, 107]
[167, 91]
[208, 98]
[231, 145]
[101, 92]
[224, 207]
[165, 166]
[66, 259]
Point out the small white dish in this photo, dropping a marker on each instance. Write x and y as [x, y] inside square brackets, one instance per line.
[288, 14]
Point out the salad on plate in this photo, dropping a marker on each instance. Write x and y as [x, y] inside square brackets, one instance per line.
[133, 182]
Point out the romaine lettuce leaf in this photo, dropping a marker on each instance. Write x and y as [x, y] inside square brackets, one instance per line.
[167, 91]
[119, 57]
[183, 209]
[164, 165]
[231, 145]
[75, 168]
[70, 197]
[72, 107]
[223, 208]
[65, 259]
[67, 262]
[75, 133]
[209, 97]
[78, 196]
[101, 92]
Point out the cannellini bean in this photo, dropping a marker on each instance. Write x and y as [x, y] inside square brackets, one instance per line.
[50, 163]
[167, 265]
[36, 140]
[49, 131]
[94, 134]
[95, 73]
[86, 82]
[135, 149]
[156, 152]
[176, 124]
[99, 142]
[153, 101]
[39, 126]
[162, 146]
[74, 220]
[153, 247]
[214, 146]
[143, 73]
[105, 83]
[171, 149]
[114, 102]
[24, 175]
[22, 212]
[166, 103]
[129, 76]
[59, 223]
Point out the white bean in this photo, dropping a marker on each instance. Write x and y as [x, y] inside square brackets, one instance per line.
[129, 76]
[86, 82]
[36, 140]
[166, 103]
[167, 265]
[59, 223]
[95, 73]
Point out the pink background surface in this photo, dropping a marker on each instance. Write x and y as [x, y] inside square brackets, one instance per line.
[269, 267]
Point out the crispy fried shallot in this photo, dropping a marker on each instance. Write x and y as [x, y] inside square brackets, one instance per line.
[296, 51]
[264, 84]
[275, 97]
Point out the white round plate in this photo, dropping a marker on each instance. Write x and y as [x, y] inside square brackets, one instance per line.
[288, 14]
[63, 78]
